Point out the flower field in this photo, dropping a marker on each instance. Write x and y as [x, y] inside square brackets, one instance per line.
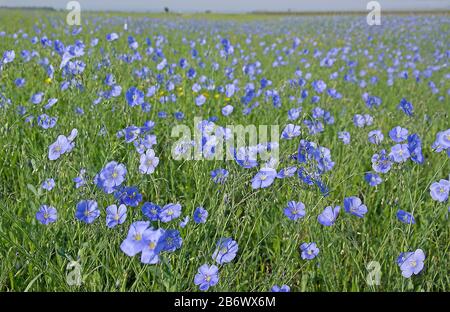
[208, 152]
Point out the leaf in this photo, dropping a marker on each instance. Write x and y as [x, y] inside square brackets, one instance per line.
[32, 282]
[33, 190]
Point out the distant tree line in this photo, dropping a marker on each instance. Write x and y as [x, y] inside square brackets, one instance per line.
[28, 8]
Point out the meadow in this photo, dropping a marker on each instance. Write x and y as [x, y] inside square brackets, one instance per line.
[92, 199]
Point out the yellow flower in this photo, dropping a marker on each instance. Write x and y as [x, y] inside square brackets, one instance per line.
[48, 80]
[216, 96]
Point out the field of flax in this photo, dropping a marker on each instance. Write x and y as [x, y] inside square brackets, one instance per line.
[97, 194]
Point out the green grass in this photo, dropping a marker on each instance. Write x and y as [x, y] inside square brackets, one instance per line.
[34, 257]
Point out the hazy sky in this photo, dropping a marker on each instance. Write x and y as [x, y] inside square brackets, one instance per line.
[235, 5]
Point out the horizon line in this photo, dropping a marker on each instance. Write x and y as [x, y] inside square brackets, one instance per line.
[209, 11]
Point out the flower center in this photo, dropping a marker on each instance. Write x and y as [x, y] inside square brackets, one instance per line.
[138, 236]
[152, 245]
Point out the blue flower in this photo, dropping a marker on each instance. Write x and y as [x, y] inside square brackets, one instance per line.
[399, 153]
[179, 115]
[286, 172]
[372, 101]
[295, 210]
[37, 98]
[226, 250]
[264, 178]
[80, 181]
[148, 162]
[317, 113]
[129, 196]
[184, 222]
[61, 146]
[283, 288]
[290, 131]
[171, 240]
[115, 216]
[87, 211]
[440, 190]
[329, 215]
[344, 136]
[372, 178]
[191, 73]
[443, 139]
[354, 206]
[398, 134]
[294, 113]
[112, 37]
[50, 103]
[402, 257]
[406, 107]
[405, 217]
[227, 110]
[359, 121]
[314, 126]
[246, 157]
[368, 119]
[134, 243]
[48, 184]
[415, 148]
[319, 86]
[200, 215]
[309, 251]
[111, 176]
[20, 82]
[45, 121]
[206, 277]
[200, 100]
[375, 137]
[134, 96]
[151, 211]
[219, 175]
[152, 245]
[381, 162]
[170, 212]
[131, 133]
[411, 262]
[46, 214]
[8, 56]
